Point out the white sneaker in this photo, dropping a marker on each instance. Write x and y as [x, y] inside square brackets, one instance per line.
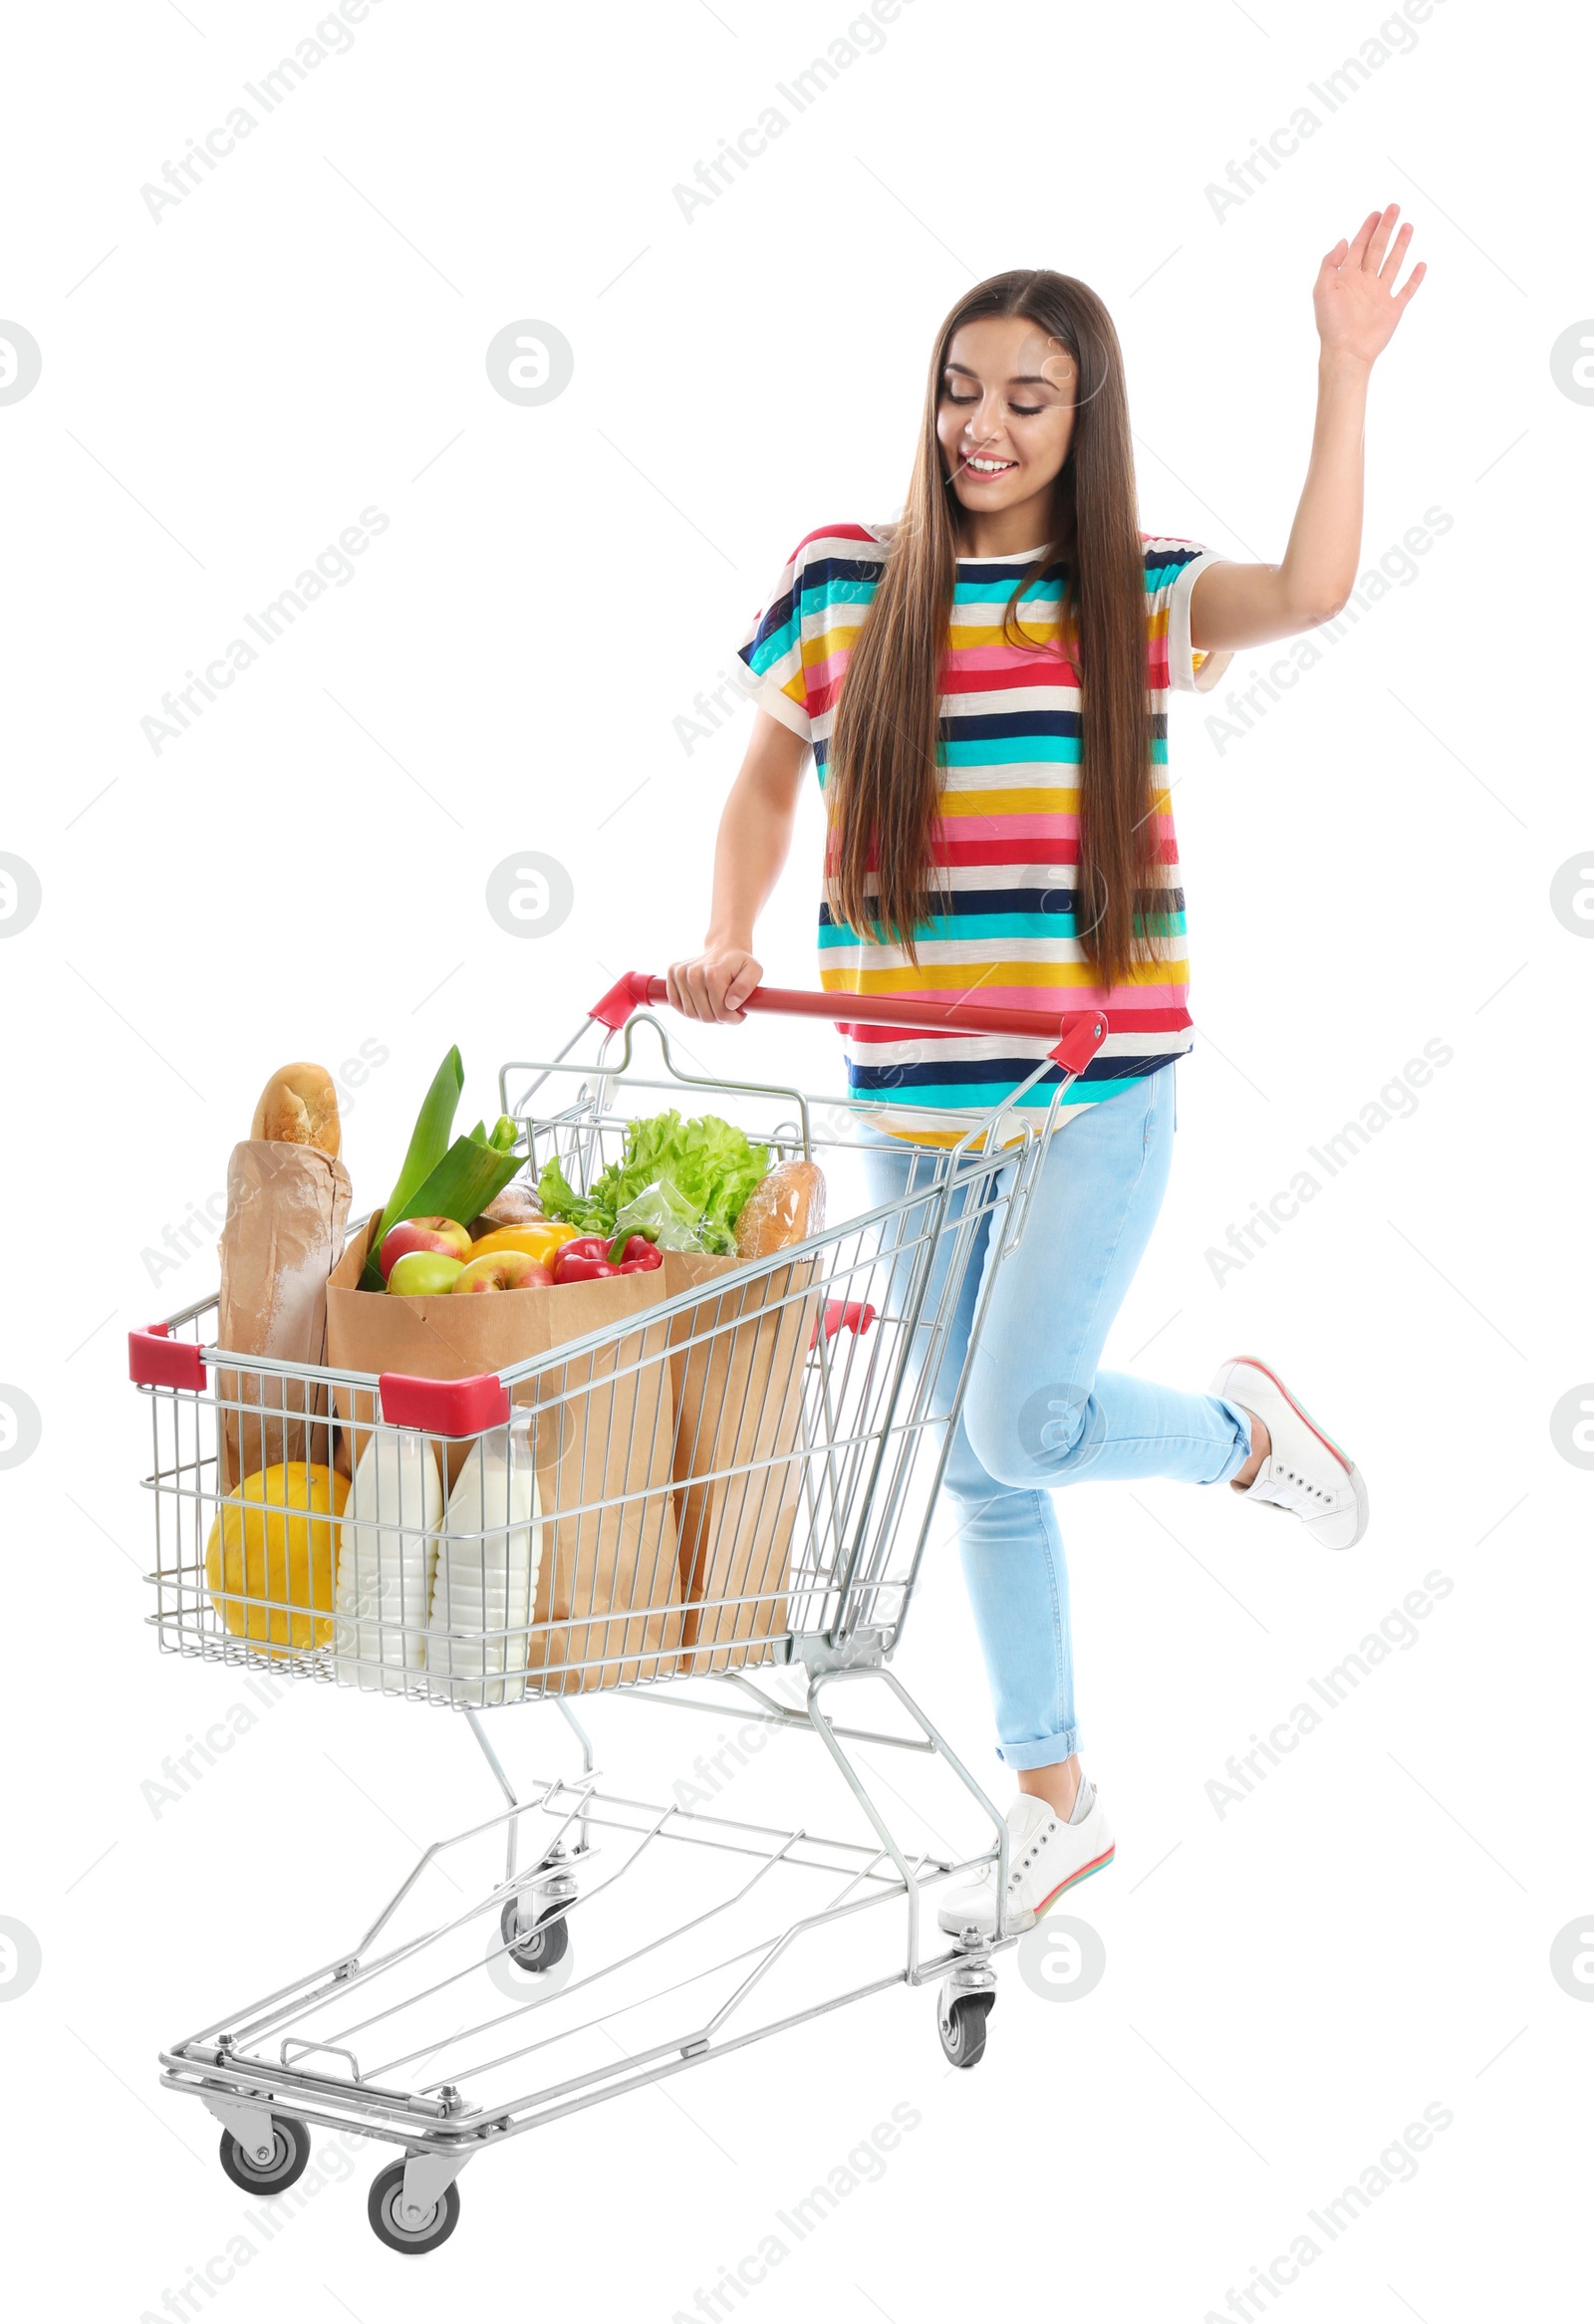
[1044, 1857]
[1305, 1472]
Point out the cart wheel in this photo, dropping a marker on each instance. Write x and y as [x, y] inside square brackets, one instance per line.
[536, 1948]
[962, 2034]
[290, 2152]
[398, 2233]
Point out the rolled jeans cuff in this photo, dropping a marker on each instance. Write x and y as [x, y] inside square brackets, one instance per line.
[1047, 1753]
[1242, 1450]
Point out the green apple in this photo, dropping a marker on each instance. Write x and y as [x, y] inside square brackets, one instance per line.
[416, 1273]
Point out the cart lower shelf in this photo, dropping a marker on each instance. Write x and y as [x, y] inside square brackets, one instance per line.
[579, 1973]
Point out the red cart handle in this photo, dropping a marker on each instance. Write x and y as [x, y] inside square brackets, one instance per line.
[1077, 1037]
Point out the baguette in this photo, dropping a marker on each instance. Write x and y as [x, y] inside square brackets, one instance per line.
[299, 1106]
[786, 1205]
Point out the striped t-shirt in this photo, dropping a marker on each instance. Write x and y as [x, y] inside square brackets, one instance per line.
[1008, 829]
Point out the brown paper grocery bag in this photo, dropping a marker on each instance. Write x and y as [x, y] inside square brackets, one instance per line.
[287, 1212]
[607, 1587]
[738, 1407]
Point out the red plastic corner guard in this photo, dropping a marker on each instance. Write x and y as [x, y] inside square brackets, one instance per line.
[155, 1360]
[444, 1407]
[852, 1315]
[1080, 1042]
[620, 1001]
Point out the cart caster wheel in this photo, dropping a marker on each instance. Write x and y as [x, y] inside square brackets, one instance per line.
[536, 1948]
[384, 2212]
[289, 2153]
[962, 2029]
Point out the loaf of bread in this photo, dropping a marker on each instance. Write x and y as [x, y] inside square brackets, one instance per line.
[517, 1205]
[299, 1106]
[786, 1205]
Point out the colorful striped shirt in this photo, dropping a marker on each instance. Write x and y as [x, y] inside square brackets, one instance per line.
[1009, 831]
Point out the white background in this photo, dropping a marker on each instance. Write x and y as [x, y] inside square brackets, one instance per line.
[1288, 1985]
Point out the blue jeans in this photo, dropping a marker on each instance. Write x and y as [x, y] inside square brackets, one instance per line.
[1037, 1413]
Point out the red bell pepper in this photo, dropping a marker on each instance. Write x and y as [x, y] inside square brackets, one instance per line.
[586, 1246]
[627, 1249]
[573, 1266]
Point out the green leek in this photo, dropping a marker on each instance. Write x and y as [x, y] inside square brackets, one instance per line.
[428, 1142]
[470, 1175]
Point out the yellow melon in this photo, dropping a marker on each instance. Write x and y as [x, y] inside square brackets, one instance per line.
[283, 1548]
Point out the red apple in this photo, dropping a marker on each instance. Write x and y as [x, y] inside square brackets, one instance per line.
[502, 1272]
[422, 1234]
[415, 1275]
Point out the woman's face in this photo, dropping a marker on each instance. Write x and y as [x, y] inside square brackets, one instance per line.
[1007, 420]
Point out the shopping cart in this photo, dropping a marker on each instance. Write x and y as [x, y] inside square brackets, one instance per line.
[524, 1536]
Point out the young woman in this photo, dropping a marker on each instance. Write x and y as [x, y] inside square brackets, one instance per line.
[983, 687]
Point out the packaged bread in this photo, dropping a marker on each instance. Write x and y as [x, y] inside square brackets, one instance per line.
[517, 1205]
[786, 1205]
[287, 1215]
[298, 1106]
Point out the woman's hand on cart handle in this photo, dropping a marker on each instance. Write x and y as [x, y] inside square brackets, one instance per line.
[714, 985]
[1075, 1038]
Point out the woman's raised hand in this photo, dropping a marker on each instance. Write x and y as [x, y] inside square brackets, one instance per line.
[713, 986]
[1354, 298]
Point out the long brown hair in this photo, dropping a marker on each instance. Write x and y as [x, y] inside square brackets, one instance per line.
[886, 763]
